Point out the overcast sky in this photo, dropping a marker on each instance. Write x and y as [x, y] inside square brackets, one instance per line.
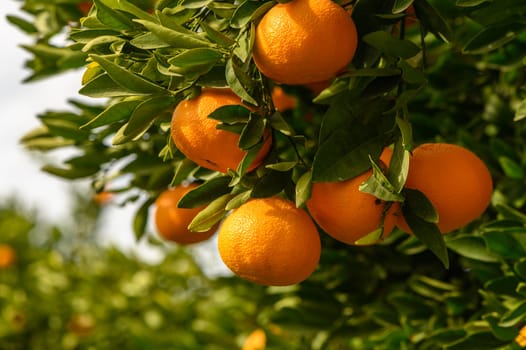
[20, 173]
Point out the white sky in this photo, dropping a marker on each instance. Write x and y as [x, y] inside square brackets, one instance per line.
[20, 173]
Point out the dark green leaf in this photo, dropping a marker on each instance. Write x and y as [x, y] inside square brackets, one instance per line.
[511, 168]
[282, 166]
[401, 5]
[231, 114]
[504, 245]
[472, 247]
[470, 3]
[278, 123]
[392, 46]
[252, 132]
[140, 220]
[514, 316]
[478, 340]
[493, 37]
[421, 206]
[410, 74]
[206, 192]
[426, 232]
[252, 153]
[235, 78]
[247, 10]
[273, 182]
[216, 36]
[434, 20]
[520, 268]
[510, 213]
[501, 333]
[338, 159]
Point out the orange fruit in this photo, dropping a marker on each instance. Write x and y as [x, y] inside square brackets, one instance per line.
[197, 137]
[257, 340]
[172, 222]
[102, 197]
[81, 324]
[7, 256]
[454, 179]
[270, 241]
[84, 7]
[347, 214]
[304, 41]
[283, 101]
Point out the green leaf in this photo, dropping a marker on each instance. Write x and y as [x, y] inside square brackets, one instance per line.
[392, 46]
[278, 123]
[183, 169]
[22, 24]
[426, 232]
[252, 132]
[238, 200]
[206, 192]
[195, 59]
[216, 36]
[492, 37]
[127, 79]
[176, 39]
[235, 78]
[476, 340]
[148, 41]
[501, 333]
[504, 245]
[113, 113]
[507, 212]
[142, 118]
[472, 247]
[303, 189]
[398, 168]
[140, 220]
[70, 173]
[401, 5]
[231, 114]
[249, 157]
[379, 186]
[112, 18]
[514, 316]
[433, 20]
[282, 166]
[247, 11]
[339, 159]
[511, 168]
[421, 205]
[273, 182]
[520, 268]
[520, 113]
[470, 3]
[211, 215]
[410, 74]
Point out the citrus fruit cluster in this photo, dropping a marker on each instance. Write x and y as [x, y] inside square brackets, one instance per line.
[270, 240]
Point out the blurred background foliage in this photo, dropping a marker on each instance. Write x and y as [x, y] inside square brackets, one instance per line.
[64, 291]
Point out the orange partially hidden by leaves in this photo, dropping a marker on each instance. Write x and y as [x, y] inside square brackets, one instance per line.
[102, 197]
[347, 214]
[84, 7]
[172, 222]
[257, 340]
[197, 137]
[454, 179]
[304, 41]
[270, 241]
[283, 101]
[7, 256]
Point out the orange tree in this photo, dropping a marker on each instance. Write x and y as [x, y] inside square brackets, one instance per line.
[405, 73]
